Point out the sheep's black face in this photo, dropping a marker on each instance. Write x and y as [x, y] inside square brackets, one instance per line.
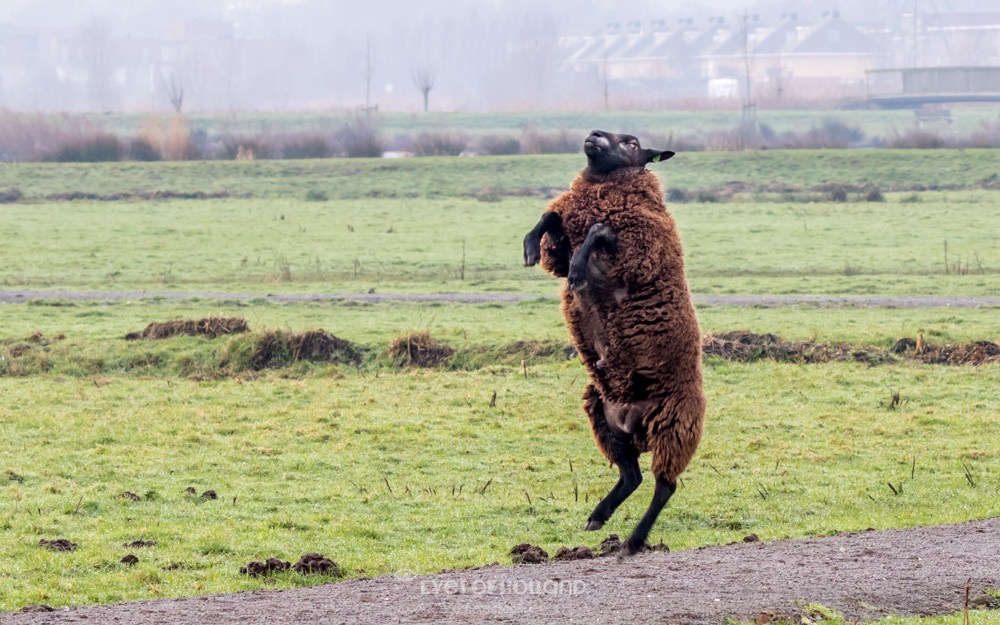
[608, 152]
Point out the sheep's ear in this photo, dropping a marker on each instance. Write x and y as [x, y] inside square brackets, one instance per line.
[656, 156]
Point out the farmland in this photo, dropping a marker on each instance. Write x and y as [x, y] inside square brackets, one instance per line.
[394, 469]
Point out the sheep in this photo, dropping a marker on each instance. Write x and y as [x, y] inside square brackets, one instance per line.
[629, 313]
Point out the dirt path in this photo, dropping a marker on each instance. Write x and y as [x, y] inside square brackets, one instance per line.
[863, 575]
[769, 301]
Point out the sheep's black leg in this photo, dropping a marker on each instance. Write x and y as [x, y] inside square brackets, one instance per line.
[630, 476]
[549, 223]
[600, 237]
[661, 495]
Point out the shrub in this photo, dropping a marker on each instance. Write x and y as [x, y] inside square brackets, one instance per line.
[557, 142]
[676, 194]
[245, 148]
[499, 144]
[838, 193]
[306, 146]
[439, 144]
[140, 149]
[361, 136]
[916, 139]
[8, 196]
[872, 193]
[96, 148]
[172, 139]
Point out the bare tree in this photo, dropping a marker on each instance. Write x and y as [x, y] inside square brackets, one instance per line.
[369, 72]
[424, 81]
[175, 94]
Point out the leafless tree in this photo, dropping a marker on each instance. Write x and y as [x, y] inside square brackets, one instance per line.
[424, 81]
[175, 93]
[369, 72]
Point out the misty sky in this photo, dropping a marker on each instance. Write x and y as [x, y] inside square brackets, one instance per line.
[482, 54]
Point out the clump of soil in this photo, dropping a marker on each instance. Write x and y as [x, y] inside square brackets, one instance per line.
[136, 544]
[129, 495]
[261, 569]
[573, 553]
[209, 494]
[17, 347]
[36, 608]
[747, 347]
[130, 560]
[976, 353]
[419, 349]
[173, 566]
[211, 327]
[59, 544]
[190, 490]
[612, 545]
[744, 346]
[316, 564]
[279, 348]
[528, 554]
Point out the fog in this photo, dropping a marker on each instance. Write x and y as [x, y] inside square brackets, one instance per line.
[229, 55]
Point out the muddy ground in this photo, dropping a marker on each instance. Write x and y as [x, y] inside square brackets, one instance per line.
[863, 575]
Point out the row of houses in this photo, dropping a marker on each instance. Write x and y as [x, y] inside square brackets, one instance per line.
[788, 59]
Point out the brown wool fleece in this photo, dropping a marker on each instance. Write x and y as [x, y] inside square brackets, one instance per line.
[636, 331]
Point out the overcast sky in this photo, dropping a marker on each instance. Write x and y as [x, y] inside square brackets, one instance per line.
[483, 54]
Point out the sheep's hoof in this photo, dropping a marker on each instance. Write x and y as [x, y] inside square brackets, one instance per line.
[593, 525]
[628, 549]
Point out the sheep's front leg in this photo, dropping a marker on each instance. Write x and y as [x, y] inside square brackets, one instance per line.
[550, 223]
[600, 237]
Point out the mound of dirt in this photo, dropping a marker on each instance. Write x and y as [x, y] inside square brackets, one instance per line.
[419, 350]
[528, 554]
[17, 347]
[135, 544]
[262, 569]
[742, 346]
[211, 327]
[279, 348]
[36, 608]
[976, 353]
[316, 564]
[130, 560]
[573, 553]
[59, 544]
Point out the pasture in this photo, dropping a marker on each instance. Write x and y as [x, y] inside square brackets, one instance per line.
[392, 469]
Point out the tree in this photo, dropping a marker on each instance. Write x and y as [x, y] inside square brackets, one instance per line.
[424, 81]
[175, 94]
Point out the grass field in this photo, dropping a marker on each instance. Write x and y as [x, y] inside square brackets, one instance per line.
[389, 469]
[874, 123]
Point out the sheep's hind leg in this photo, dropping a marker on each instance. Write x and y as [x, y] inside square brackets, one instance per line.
[661, 495]
[628, 480]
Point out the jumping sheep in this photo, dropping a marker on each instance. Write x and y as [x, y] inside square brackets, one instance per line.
[629, 313]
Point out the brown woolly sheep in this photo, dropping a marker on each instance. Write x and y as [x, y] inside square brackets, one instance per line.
[629, 312]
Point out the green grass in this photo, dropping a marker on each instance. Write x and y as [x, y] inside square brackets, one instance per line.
[380, 467]
[874, 123]
[301, 465]
[352, 179]
[461, 244]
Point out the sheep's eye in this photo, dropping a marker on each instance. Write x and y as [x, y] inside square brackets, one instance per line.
[634, 146]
